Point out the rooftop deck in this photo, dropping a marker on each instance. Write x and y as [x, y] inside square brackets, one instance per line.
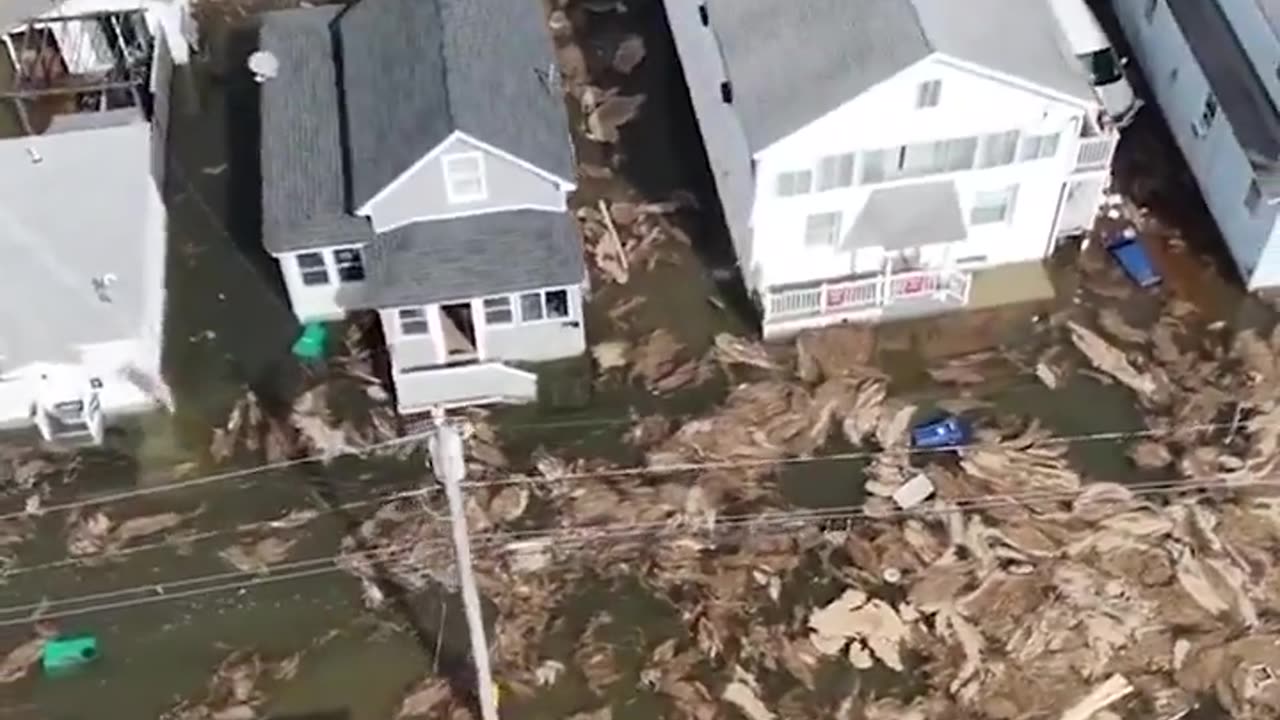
[70, 65]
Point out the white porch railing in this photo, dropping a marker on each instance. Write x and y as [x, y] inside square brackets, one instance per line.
[1095, 153]
[950, 287]
[458, 385]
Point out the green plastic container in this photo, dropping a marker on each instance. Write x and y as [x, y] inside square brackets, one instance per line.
[69, 651]
[313, 342]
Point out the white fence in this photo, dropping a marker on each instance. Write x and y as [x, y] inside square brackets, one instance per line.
[947, 286]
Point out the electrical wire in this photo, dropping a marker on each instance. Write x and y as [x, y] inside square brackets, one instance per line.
[115, 497]
[669, 468]
[593, 535]
[618, 472]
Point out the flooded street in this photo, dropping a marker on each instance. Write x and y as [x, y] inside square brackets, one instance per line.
[664, 527]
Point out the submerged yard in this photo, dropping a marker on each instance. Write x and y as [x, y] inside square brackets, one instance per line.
[676, 528]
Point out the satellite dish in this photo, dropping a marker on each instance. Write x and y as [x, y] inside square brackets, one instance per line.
[264, 65]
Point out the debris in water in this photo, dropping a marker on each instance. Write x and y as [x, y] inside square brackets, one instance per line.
[629, 54]
[610, 113]
[21, 659]
[610, 354]
[257, 557]
[1112, 690]
[1112, 361]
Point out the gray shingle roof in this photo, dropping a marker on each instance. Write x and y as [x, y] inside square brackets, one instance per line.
[792, 61]
[907, 216]
[466, 257]
[303, 193]
[415, 70]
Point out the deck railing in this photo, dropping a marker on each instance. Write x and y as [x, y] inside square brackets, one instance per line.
[846, 296]
[1095, 153]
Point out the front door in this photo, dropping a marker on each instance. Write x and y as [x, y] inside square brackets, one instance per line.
[459, 332]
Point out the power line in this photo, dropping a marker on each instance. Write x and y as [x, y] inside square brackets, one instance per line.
[855, 455]
[110, 498]
[600, 474]
[594, 534]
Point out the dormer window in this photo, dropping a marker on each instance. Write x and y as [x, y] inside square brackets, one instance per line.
[464, 177]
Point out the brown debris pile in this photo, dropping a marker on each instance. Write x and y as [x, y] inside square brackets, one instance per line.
[97, 534]
[234, 692]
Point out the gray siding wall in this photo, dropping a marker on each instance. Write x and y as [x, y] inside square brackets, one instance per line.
[421, 195]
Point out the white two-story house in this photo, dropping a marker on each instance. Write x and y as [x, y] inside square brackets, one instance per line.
[1214, 69]
[84, 111]
[416, 161]
[870, 155]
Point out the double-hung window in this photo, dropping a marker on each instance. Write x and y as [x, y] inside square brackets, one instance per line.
[497, 310]
[350, 264]
[1035, 147]
[835, 171]
[464, 177]
[794, 182]
[998, 149]
[413, 321]
[313, 268]
[822, 229]
[993, 206]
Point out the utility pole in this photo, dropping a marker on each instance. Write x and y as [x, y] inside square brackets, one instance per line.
[450, 468]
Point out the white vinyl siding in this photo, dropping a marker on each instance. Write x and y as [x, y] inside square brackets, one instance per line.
[918, 159]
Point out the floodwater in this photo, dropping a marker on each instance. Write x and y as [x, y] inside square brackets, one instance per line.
[230, 329]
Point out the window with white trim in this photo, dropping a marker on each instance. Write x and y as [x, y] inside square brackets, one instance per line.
[464, 177]
[993, 206]
[835, 171]
[794, 182]
[350, 264]
[313, 268]
[544, 305]
[497, 310]
[998, 149]
[928, 93]
[413, 321]
[822, 229]
[1036, 147]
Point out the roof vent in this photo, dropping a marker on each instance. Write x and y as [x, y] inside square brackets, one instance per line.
[34, 155]
[264, 65]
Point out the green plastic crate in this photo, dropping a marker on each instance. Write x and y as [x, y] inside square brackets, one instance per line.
[313, 342]
[69, 651]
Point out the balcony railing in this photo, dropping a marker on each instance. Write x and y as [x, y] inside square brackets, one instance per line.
[1095, 153]
[948, 286]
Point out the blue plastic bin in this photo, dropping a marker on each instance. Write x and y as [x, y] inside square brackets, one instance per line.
[1133, 259]
[943, 432]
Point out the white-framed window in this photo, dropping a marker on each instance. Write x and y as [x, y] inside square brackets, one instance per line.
[1208, 114]
[918, 159]
[312, 267]
[993, 206]
[998, 149]
[928, 93]
[822, 229]
[350, 265]
[544, 305]
[1035, 147]
[835, 171]
[1252, 197]
[413, 321]
[794, 182]
[464, 177]
[497, 310]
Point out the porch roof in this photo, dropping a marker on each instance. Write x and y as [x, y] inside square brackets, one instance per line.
[897, 218]
[427, 262]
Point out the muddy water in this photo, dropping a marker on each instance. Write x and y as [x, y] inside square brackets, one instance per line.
[230, 329]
